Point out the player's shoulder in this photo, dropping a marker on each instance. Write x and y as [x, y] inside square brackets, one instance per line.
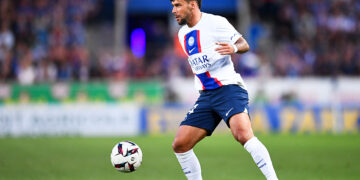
[214, 17]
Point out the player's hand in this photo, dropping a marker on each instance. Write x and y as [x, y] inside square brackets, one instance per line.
[225, 48]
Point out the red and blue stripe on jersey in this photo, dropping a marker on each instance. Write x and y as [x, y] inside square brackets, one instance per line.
[208, 82]
[192, 46]
[192, 42]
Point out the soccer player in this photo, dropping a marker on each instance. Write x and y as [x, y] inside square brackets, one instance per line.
[209, 40]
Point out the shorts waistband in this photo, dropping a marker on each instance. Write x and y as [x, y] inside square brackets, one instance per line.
[209, 90]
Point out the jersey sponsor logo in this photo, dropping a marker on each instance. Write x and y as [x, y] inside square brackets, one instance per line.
[192, 42]
[199, 63]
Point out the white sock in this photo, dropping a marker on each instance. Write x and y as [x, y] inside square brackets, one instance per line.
[261, 157]
[190, 165]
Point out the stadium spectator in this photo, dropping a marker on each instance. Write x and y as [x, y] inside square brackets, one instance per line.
[50, 40]
[312, 37]
[289, 38]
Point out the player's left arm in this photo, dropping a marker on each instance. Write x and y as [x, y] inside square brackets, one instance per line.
[240, 46]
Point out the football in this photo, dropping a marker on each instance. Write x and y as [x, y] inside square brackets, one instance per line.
[126, 156]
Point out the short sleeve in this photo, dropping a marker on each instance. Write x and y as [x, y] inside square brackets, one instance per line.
[226, 32]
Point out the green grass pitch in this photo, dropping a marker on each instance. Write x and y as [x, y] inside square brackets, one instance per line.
[302, 157]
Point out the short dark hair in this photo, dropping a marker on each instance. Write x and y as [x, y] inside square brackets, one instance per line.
[197, 1]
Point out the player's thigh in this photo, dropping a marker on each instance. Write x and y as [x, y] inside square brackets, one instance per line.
[202, 115]
[240, 126]
[229, 101]
[187, 137]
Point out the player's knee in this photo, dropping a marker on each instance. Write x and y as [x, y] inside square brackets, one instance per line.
[242, 136]
[240, 139]
[180, 146]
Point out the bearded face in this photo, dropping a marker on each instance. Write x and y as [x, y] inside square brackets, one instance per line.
[182, 11]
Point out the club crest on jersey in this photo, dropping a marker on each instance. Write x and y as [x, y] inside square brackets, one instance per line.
[192, 42]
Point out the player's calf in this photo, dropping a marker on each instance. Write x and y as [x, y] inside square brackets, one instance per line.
[185, 139]
[240, 126]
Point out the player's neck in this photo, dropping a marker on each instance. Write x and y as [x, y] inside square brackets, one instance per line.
[195, 18]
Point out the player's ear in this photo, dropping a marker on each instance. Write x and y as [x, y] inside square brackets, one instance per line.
[192, 4]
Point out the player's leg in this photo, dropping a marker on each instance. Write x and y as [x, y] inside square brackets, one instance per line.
[231, 103]
[200, 121]
[185, 139]
[240, 126]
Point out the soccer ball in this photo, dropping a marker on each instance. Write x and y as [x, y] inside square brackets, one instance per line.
[126, 156]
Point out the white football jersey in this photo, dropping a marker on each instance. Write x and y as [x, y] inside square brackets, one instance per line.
[211, 69]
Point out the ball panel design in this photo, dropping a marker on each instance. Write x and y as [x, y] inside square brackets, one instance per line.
[126, 156]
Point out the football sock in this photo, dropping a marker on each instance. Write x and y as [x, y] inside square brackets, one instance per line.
[190, 165]
[261, 157]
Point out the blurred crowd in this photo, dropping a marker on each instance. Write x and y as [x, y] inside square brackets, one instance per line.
[43, 40]
[46, 41]
[305, 37]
